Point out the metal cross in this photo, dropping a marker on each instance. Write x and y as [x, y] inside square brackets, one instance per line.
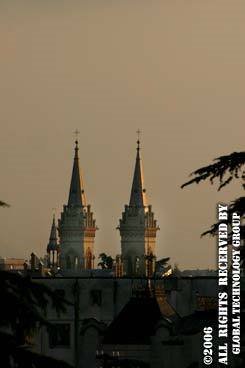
[54, 211]
[76, 133]
[138, 133]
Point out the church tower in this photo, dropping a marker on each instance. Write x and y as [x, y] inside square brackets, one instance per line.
[138, 228]
[76, 226]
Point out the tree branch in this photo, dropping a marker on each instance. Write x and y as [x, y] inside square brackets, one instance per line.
[225, 170]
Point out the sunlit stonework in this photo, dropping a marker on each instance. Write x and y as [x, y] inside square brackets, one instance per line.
[76, 226]
[138, 228]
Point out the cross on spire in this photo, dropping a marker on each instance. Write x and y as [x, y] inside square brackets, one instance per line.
[138, 196]
[76, 133]
[76, 194]
[138, 133]
[54, 211]
[138, 141]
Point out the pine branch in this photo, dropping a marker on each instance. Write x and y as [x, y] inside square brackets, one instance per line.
[237, 206]
[21, 356]
[24, 303]
[4, 204]
[225, 170]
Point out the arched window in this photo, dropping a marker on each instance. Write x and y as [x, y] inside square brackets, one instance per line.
[68, 262]
[53, 257]
[137, 265]
[56, 257]
[88, 259]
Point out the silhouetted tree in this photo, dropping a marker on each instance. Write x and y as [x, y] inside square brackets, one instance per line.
[22, 311]
[224, 170]
[106, 261]
[4, 204]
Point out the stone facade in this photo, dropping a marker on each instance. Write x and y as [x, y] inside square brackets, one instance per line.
[138, 229]
[98, 302]
[76, 227]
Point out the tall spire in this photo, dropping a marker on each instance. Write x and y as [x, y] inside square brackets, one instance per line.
[76, 195]
[138, 228]
[52, 244]
[138, 195]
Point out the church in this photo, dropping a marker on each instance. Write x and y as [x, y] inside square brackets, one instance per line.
[76, 230]
[131, 314]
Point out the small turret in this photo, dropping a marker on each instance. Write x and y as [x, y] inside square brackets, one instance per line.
[53, 247]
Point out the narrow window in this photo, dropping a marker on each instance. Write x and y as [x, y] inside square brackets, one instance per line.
[59, 336]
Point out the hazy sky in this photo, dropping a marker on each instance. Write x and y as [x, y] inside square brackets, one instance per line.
[173, 68]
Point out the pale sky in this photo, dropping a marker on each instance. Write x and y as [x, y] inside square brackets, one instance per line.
[173, 68]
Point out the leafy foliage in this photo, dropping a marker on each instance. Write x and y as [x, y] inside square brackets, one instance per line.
[4, 204]
[225, 170]
[237, 206]
[106, 261]
[22, 309]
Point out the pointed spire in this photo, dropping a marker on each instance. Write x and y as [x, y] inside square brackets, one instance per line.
[52, 244]
[138, 196]
[76, 195]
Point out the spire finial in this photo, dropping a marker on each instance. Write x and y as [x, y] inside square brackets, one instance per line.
[76, 194]
[54, 213]
[138, 196]
[76, 135]
[138, 141]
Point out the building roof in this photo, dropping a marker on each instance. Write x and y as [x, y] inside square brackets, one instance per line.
[195, 322]
[137, 321]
